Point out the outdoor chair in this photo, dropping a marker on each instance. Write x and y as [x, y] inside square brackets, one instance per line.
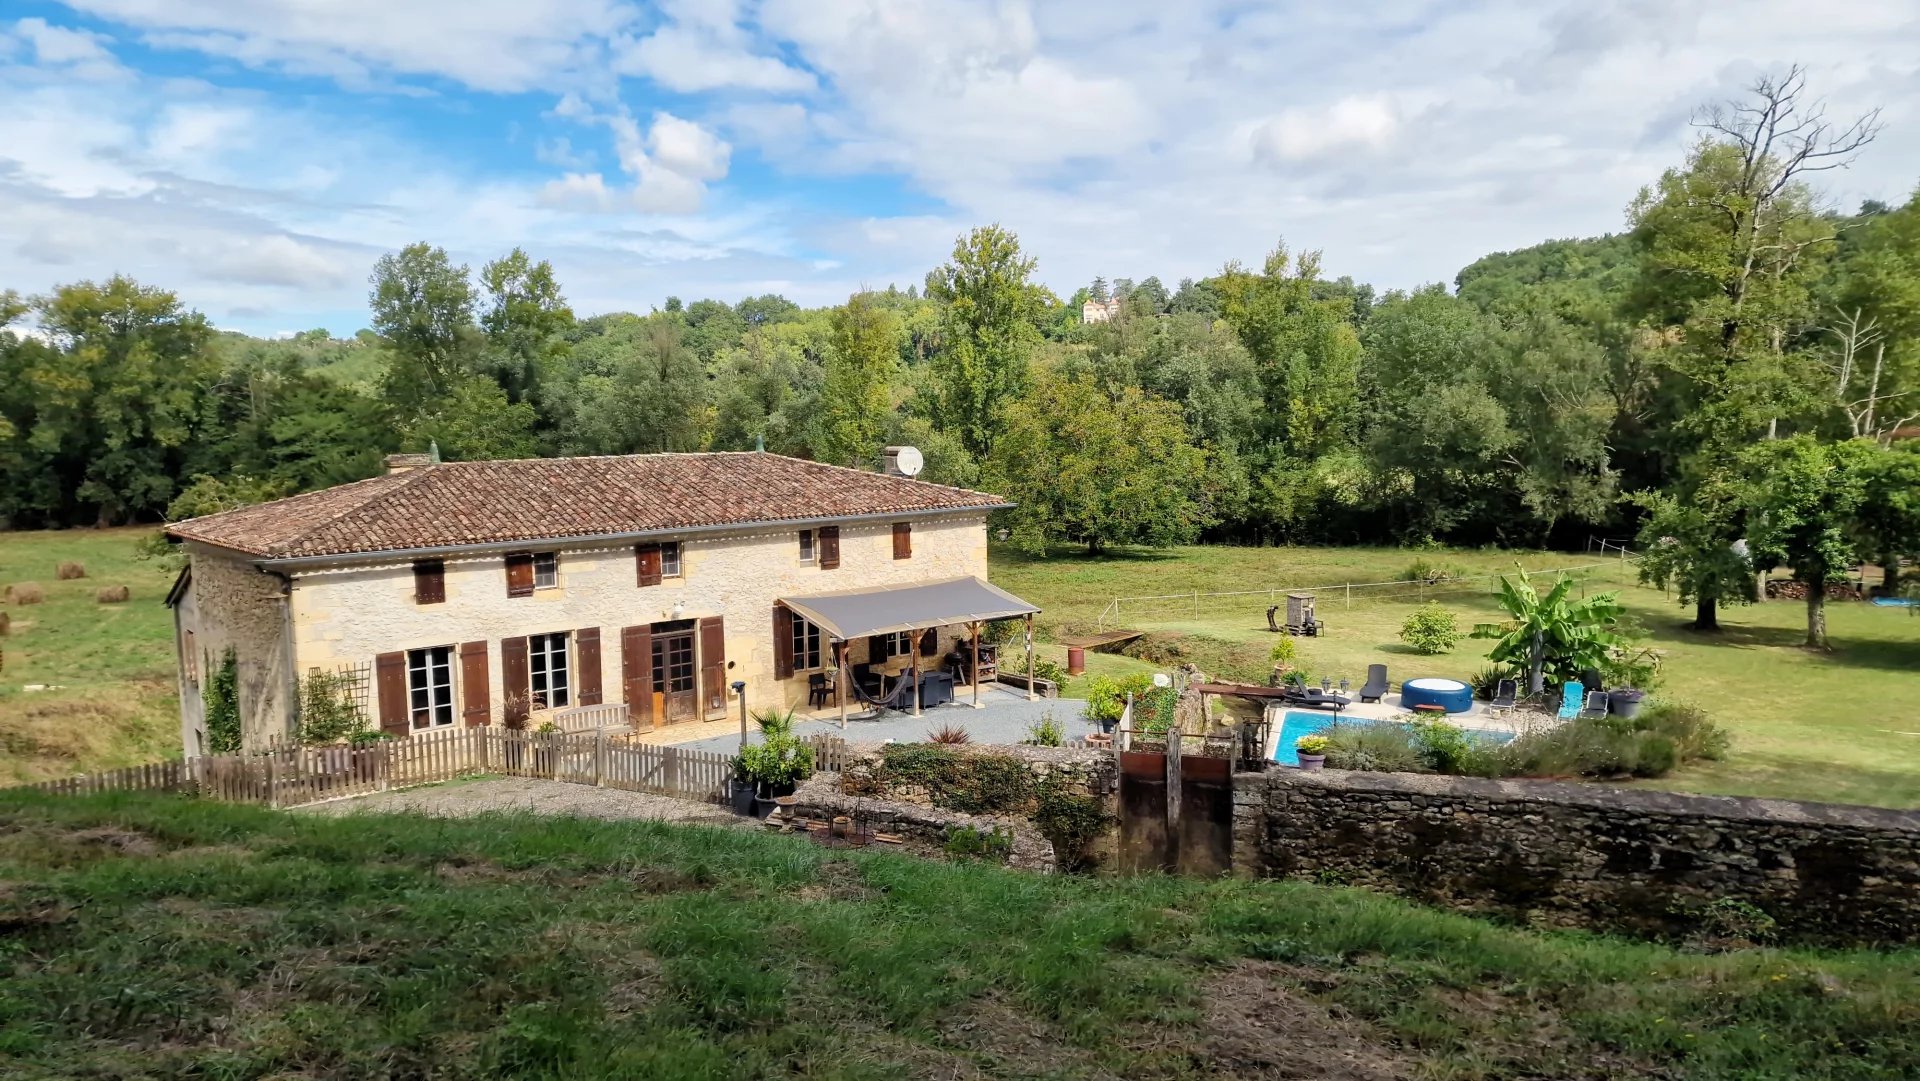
[821, 689]
[1298, 693]
[1504, 694]
[1376, 686]
[1596, 707]
[1570, 697]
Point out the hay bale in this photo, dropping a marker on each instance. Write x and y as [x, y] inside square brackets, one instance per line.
[113, 594]
[70, 570]
[25, 593]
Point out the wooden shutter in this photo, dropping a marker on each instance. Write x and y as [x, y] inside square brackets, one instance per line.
[473, 684]
[930, 642]
[520, 578]
[877, 648]
[829, 547]
[903, 540]
[636, 673]
[782, 642]
[390, 680]
[713, 662]
[586, 643]
[514, 689]
[646, 561]
[429, 581]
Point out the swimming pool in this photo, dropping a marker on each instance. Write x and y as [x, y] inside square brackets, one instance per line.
[1294, 724]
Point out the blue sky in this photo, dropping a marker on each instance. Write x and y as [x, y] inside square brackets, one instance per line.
[257, 156]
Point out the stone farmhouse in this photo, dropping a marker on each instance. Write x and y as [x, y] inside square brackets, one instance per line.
[521, 592]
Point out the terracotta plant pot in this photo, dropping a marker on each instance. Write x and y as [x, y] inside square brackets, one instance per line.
[842, 826]
[1312, 761]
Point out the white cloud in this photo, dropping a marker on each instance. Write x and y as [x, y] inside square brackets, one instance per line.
[501, 45]
[670, 162]
[691, 60]
[1302, 134]
[80, 52]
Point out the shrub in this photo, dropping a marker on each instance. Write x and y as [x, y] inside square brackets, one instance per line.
[966, 842]
[1445, 747]
[1694, 736]
[1153, 711]
[223, 705]
[1311, 745]
[70, 570]
[1284, 651]
[112, 594]
[1380, 746]
[1430, 629]
[1107, 696]
[1049, 671]
[25, 593]
[951, 735]
[1487, 680]
[1070, 820]
[780, 758]
[1425, 570]
[1046, 732]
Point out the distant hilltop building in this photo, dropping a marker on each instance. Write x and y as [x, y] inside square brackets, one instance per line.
[1099, 311]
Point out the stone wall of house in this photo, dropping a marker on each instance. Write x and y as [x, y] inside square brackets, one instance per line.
[1589, 855]
[231, 604]
[350, 613]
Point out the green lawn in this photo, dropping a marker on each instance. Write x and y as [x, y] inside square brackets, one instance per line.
[165, 937]
[111, 664]
[1842, 726]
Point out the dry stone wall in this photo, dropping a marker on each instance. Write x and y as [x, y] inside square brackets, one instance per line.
[1587, 855]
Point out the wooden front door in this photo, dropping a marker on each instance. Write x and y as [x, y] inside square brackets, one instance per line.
[673, 675]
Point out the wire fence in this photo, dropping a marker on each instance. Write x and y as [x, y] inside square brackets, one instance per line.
[1346, 595]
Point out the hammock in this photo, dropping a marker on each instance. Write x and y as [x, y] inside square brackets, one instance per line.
[897, 699]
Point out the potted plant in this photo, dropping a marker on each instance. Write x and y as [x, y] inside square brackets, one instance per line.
[741, 791]
[1625, 701]
[1312, 751]
[777, 763]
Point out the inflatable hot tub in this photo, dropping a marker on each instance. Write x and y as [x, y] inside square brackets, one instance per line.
[1449, 694]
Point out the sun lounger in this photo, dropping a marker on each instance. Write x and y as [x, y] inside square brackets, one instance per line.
[1596, 707]
[1376, 686]
[1570, 698]
[1504, 694]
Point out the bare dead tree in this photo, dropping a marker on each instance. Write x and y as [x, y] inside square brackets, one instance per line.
[1871, 416]
[1781, 139]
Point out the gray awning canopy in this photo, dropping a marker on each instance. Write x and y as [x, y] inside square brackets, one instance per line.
[855, 613]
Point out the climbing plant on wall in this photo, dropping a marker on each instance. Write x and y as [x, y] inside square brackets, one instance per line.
[223, 706]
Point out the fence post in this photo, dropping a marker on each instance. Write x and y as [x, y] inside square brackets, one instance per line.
[599, 757]
[670, 768]
[1349, 596]
[1173, 796]
[273, 778]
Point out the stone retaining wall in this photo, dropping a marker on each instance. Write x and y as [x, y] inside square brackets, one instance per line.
[1588, 855]
[923, 828]
[1080, 769]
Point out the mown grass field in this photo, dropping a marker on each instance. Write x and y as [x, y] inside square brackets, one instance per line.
[165, 937]
[1842, 726]
[110, 665]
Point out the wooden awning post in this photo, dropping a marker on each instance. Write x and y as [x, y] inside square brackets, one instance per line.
[913, 668]
[1030, 694]
[973, 628]
[840, 651]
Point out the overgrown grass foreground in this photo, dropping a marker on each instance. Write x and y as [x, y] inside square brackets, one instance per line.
[165, 937]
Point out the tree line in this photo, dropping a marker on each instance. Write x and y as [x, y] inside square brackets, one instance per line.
[1729, 377]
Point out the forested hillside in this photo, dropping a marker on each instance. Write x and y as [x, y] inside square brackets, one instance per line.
[1737, 329]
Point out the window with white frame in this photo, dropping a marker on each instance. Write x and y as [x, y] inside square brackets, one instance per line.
[670, 559]
[897, 645]
[546, 570]
[806, 645]
[806, 546]
[430, 687]
[547, 669]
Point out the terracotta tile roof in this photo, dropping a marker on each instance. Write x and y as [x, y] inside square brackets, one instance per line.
[459, 503]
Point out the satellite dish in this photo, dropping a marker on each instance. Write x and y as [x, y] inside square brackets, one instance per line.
[906, 461]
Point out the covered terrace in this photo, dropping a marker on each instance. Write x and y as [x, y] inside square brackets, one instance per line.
[902, 682]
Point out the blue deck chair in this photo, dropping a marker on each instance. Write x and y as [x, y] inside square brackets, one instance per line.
[1572, 697]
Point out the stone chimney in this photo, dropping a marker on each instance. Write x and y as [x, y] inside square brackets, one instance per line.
[400, 463]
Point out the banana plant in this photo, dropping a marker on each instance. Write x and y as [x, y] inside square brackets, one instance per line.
[1552, 632]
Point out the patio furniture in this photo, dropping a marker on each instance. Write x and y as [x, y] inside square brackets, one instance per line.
[1299, 694]
[1376, 686]
[1449, 694]
[936, 689]
[1504, 694]
[820, 688]
[1570, 698]
[1596, 706]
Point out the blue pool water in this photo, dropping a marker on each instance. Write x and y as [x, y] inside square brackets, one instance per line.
[1294, 724]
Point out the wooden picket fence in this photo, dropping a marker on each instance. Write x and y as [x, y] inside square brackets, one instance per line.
[286, 776]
